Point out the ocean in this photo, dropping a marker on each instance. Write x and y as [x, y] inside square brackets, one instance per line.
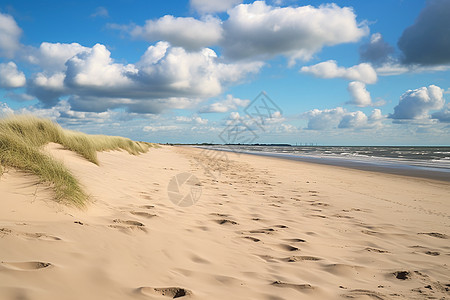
[430, 162]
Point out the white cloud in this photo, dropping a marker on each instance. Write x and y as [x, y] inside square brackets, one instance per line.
[329, 69]
[194, 119]
[52, 57]
[95, 69]
[165, 69]
[165, 77]
[189, 33]
[324, 119]
[416, 104]
[355, 119]
[10, 34]
[359, 94]
[258, 30]
[230, 103]
[213, 6]
[376, 115]
[342, 119]
[10, 76]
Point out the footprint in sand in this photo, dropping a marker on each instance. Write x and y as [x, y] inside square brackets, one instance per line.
[268, 258]
[298, 287]
[295, 240]
[300, 258]
[30, 236]
[129, 222]
[25, 266]
[402, 275]
[252, 239]
[359, 292]
[226, 222]
[370, 249]
[170, 292]
[435, 234]
[432, 253]
[320, 204]
[219, 215]
[147, 206]
[41, 236]
[143, 214]
[288, 247]
[281, 226]
[263, 230]
[127, 225]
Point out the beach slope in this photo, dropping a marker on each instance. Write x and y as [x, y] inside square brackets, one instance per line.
[261, 228]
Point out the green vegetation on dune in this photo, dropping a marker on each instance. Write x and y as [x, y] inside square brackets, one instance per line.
[21, 142]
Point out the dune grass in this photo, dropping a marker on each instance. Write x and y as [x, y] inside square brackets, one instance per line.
[21, 142]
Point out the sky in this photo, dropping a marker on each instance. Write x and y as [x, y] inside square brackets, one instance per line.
[347, 72]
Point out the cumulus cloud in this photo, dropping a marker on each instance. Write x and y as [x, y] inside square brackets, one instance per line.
[259, 30]
[427, 42]
[443, 115]
[96, 70]
[377, 51]
[324, 119]
[213, 6]
[165, 77]
[10, 76]
[329, 69]
[10, 34]
[52, 57]
[416, 104]
[165, 69]
[376, 115]
[359, 94]
[356, 119]
[47, 88]
[340, 118]
[189, 33]
[230, 103]
[256, 31]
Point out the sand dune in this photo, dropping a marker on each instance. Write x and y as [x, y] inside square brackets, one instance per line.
[262, 228]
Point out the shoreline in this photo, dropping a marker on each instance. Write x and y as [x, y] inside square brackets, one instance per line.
[386, 168]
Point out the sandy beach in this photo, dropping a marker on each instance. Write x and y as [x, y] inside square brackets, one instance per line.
[262, 228]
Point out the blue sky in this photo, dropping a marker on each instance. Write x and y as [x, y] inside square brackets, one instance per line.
[338, 73]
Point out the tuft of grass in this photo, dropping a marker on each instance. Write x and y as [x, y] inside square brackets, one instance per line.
[21, 141]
